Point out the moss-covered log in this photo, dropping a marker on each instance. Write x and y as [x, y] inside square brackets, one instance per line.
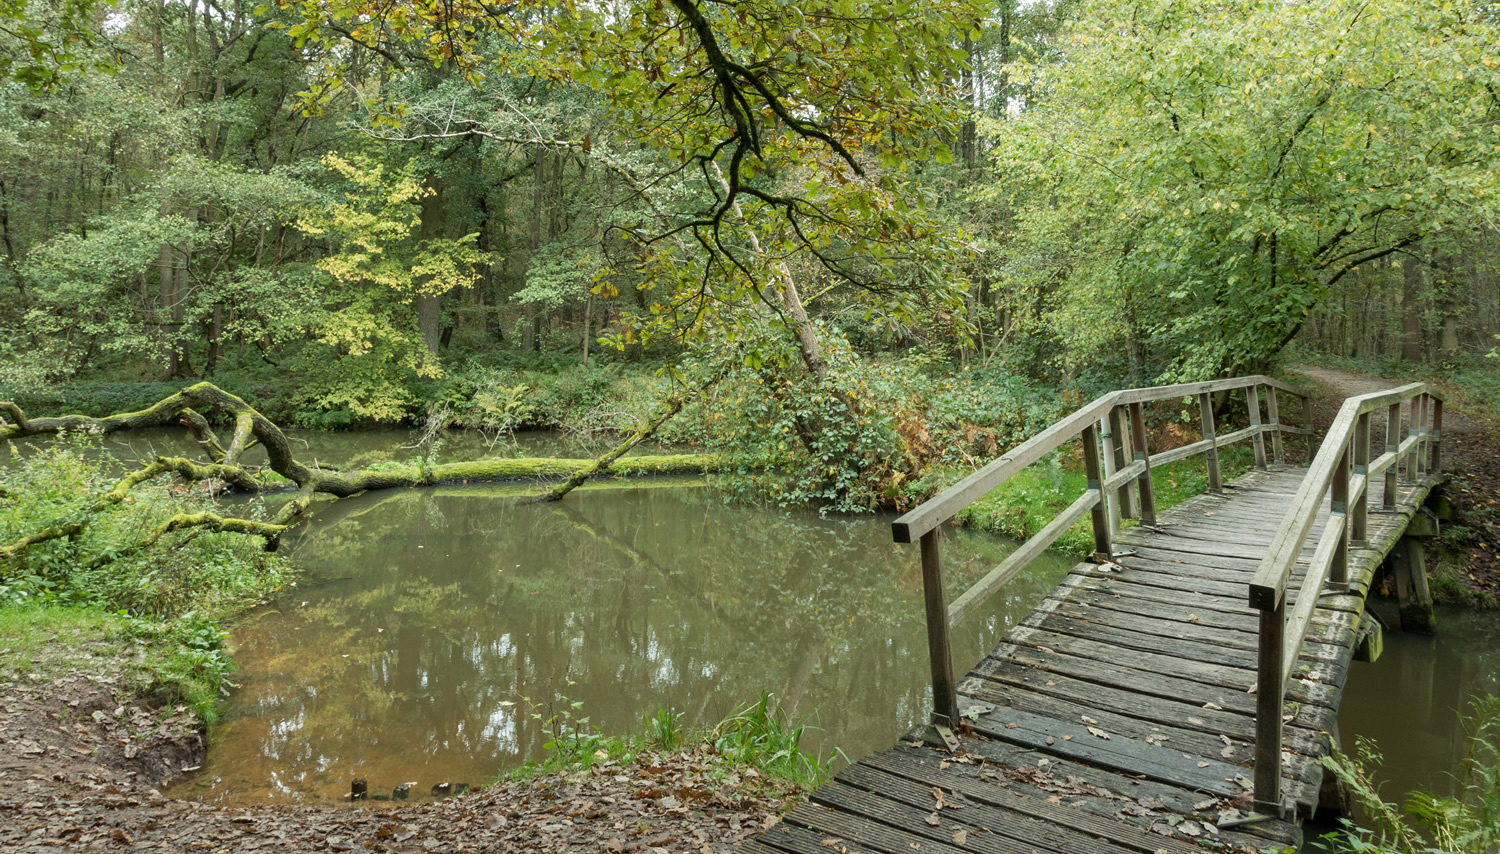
[252, 428]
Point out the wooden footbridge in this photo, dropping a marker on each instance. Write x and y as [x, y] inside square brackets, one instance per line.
[1176, 692]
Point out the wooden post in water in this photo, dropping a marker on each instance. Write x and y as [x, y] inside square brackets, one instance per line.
[1117, 426]
[1138, 440]
[1358, 515]
[1273, 414]
[1268, 691]
[944, 688]
[1206, 417]
[1392, 442]
[1252, 403]
[1102, 548]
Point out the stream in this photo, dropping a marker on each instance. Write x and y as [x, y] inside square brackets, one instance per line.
[435, 632]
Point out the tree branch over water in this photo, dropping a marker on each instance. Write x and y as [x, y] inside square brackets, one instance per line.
[224, 469]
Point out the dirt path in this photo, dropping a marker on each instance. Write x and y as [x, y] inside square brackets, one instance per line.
[1471, 457]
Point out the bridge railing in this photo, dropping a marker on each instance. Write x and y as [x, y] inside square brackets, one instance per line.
[1341, 472]
[1110, 428]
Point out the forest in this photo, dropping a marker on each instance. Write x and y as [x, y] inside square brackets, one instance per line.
[833, 254]
[922, 223]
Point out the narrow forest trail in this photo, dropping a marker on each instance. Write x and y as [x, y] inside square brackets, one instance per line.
[1471, 457]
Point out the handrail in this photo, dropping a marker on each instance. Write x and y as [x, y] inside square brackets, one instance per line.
[1103, 425]
[1341, 471]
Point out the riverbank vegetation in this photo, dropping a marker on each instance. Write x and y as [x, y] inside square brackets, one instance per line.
[759, 735]
[1467, 821]
[106, 584]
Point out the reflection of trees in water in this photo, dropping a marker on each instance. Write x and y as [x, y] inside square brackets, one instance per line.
[629, 600]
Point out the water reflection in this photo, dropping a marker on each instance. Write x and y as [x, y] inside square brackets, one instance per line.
[428, 617]
[1410, 700]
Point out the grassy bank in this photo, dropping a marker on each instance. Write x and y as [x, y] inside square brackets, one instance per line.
[760, 736]
[98, 593]
[1025, 504]
[169, 663]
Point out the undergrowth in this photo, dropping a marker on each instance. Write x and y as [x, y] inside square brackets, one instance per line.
[1468, 823]
[760, 735]
[1023, 505]
[166, 598]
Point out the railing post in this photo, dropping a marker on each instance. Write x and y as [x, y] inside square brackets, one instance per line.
[1110, 499]
[1338, 571]
[1273, 414]
[1419, 426]
[1138, 441]
[1358, 516]
[1206, 417]
[1269, 689]
[1098, 513]
[1307, 424]
[944, 688]
[1252, 403]
[1437, 436]
[1392, 442]
[1408, 474]
[1124, 499]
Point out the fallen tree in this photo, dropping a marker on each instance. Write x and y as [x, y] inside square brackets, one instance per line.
[283, 471]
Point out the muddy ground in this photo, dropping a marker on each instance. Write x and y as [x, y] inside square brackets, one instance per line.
[84, 754]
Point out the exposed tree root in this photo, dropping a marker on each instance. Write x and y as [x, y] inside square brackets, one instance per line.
[250, 428]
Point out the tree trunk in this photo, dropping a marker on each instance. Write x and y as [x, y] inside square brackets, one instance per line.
[429, 321]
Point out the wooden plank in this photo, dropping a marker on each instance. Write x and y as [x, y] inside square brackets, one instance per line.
[1079, 790]
[1210, 673]
[871, 835]
[1329, 627]
[1011, 815]
[1230, 695]
[1170, 638]
[1075, 740]
[986, 829]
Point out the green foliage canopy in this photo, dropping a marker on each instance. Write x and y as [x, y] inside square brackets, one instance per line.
[1198, 175]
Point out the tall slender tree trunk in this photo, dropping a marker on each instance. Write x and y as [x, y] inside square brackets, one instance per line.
[429, 319]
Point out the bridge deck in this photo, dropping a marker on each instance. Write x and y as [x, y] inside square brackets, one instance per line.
[1124, 716]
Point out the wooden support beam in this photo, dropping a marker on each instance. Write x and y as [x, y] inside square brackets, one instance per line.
[1358, 514]
[1095, 474]
[939, 651]
[1252, 403]
[1142, 455]
[1409, 562]
[1273, 415]
[1206, 419]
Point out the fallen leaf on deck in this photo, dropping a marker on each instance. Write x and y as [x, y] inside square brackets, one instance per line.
[960, 837]
[933, 819]
[1213, 707]
[1098, 732]
[1202, 764]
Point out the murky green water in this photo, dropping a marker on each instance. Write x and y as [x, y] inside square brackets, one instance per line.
[433, 625]
[1410, 700]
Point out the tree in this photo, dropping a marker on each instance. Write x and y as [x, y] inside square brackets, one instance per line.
[1198, 177]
